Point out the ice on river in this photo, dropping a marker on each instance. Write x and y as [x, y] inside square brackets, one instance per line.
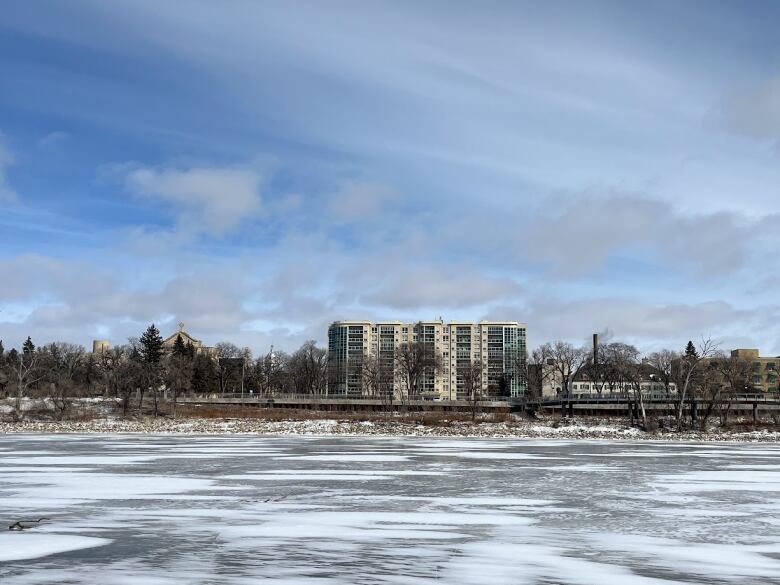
[239, 509]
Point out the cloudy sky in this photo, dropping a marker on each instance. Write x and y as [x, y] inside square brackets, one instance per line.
[258, 169]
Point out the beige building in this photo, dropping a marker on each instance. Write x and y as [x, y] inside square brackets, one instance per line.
[763, 369]
[103, 345]
[187, 339]
[499, 345]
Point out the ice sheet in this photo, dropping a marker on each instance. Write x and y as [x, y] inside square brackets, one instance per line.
[242, 509]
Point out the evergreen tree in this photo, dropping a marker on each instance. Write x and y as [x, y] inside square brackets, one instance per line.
[28, 347]
[690, 351]
[204, 375]
[2, 351]
[151, 345]
[190, 350]
[179, 349]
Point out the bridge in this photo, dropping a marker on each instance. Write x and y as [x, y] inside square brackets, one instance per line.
[617, 404]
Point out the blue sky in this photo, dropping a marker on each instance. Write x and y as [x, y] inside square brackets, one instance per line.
[260, 169]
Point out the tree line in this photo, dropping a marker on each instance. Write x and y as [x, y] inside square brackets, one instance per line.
[702, 375]
[143, 368]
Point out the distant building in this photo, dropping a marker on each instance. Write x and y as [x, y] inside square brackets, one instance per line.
[650, 384]
[548, 379]
[763, 369]
[100, 346]
[187, 339]
[499, 345]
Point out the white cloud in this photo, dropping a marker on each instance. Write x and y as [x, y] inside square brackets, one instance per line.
[52, 139]
[756, 112]
[579, 235]
[209, 199]
[410, 289]
[648, 325]
[7, 194]
[359, 201]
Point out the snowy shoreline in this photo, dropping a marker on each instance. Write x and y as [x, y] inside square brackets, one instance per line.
[578, 429]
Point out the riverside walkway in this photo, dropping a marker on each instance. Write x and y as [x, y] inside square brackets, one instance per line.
[584, 404]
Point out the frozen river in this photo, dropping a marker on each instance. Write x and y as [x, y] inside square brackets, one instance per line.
[132, 510]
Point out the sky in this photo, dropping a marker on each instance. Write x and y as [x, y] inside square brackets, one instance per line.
[257, 170]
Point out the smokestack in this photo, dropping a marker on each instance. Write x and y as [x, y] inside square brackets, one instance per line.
[595, 348]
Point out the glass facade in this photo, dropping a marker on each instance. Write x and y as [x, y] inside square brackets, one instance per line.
[337, 360]
[347, 346]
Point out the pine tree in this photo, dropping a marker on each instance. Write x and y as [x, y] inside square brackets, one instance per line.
[690, 351]
[151, 345]
[179, 348]
[203, 374]
[2, 351]
[28, 347]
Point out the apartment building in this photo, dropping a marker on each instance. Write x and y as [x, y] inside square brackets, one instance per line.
[763, 369]
[500, 346]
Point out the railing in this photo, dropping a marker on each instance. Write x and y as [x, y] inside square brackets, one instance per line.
[264, 396]
[604, 398]
[269, 399]
[651, 397]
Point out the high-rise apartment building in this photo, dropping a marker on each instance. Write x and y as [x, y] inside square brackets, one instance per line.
[359, 349]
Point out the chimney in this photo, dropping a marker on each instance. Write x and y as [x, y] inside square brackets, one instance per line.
[595, 348]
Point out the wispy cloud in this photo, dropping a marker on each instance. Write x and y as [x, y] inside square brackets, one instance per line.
[418, 160]
[52, 138]
[360, 200]
[579, 235]
[755, 111]
[214, 200]
[7, 193]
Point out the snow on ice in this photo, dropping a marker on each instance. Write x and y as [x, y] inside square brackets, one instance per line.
[239, 509]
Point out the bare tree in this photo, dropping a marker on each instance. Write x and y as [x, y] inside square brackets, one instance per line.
[687, 367]
[65, 360]
[129, 375]
[228, 362]
[27, 369]
[107, 363]
[377, 379]
[178, 375]
[271, 373]
[470, 376]
[737, 374]
[371, 375]
[308, 369]
[594, 370]
[626, 363]
[246, 362]
[615, 358]
[565, 361]
[663, 362]
[416, 362]
[710, 389]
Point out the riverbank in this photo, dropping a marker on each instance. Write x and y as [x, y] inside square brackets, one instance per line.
[585, 428]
